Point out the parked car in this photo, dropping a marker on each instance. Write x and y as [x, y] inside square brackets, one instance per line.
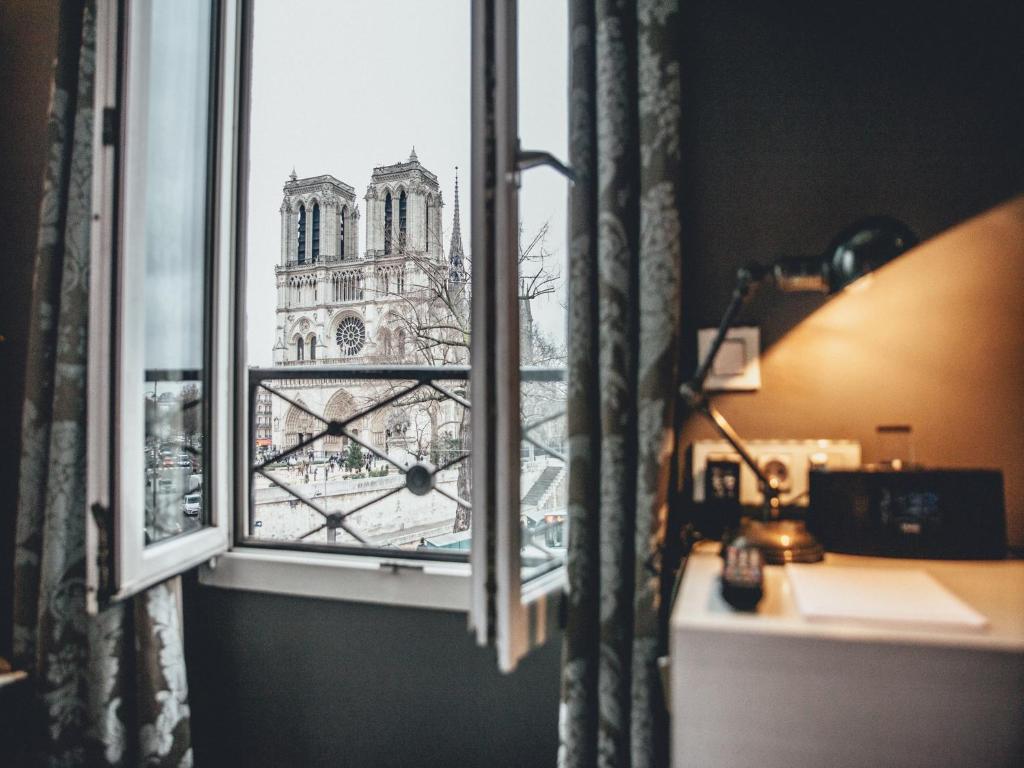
[193, 504]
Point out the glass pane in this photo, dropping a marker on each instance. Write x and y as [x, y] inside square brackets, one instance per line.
[543, 199]
[176, 136]
[358, 267]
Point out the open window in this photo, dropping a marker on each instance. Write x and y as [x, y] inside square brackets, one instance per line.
[519, 319]
[159, 335]
[275, 380]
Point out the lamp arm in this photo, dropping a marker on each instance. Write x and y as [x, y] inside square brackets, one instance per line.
[699, 402]
[746, 277]
[693, 390]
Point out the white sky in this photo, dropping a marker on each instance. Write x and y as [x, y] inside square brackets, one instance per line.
[340, 86]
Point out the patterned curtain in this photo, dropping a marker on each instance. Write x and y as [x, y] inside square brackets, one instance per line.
[624, 317]
[110, 689]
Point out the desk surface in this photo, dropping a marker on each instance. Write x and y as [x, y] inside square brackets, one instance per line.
[993, 588]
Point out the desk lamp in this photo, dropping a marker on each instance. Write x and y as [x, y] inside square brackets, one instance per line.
[858, 250]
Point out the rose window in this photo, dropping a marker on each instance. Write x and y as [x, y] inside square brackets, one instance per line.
[351, 336]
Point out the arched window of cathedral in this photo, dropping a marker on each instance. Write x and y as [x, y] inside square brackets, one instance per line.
[312, 347]
[385, 341]
[299, 348]
[401, 223]
[316, 232]
[387, 224]
[400, 280]
[301, 252]
[341, 232]
[427, 233]
[400, 342]
[385, 281]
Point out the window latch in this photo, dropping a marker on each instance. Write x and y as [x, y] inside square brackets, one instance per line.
[532, 158]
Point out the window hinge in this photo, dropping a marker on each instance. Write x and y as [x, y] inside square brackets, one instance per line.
[104, 521]
[109, 126]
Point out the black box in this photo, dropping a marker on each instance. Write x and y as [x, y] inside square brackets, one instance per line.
[929, 513]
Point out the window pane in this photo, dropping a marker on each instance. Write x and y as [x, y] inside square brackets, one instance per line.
[543, 198]
[176, 262]
[356, 265]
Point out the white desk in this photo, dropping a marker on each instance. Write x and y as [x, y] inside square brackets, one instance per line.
[771, 689]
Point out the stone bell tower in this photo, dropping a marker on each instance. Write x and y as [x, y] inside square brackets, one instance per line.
[403, 211]
[319, 221]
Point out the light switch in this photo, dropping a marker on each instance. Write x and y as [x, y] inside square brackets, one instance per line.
[736, 367]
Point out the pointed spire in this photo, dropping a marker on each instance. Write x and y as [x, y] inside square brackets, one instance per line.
[456, 257]
[412, 155]
[293, 176]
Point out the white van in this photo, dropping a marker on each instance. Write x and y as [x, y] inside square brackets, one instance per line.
[193, 504]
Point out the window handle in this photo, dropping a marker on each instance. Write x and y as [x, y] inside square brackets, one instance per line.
[531, 158]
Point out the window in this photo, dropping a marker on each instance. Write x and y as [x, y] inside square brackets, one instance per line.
[351, 335]
[387, 224]
[159, 411]
[316, 233]
[401, 223]
[399, 435]
[341, 232]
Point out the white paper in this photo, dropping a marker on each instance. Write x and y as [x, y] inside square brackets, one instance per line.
[893, 597]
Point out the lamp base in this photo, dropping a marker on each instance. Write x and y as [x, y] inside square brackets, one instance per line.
[782, 541]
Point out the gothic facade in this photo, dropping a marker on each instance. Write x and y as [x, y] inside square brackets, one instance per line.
[337, 306]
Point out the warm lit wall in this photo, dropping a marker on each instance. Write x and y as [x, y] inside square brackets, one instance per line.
[934, 340]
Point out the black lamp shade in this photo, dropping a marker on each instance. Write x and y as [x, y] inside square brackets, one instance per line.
[863, 247]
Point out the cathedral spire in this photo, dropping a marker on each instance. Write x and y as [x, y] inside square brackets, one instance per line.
[412, 155]
[456, 257]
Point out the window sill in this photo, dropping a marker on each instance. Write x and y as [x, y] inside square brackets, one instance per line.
[359, 578]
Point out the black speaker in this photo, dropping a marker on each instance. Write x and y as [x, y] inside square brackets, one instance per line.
[928, 513]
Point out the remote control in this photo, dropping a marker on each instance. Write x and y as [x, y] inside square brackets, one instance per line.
[742, 576]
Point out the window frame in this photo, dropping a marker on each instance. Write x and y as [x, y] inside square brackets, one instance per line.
[119, 563]
[425, 582]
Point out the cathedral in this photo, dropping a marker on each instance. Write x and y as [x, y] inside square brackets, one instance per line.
[401, 301]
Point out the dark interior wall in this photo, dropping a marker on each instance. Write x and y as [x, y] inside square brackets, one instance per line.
[802, 117]
[28, 43]
[283, 681]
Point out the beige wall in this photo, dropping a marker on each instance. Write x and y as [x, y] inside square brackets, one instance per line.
[934, 340]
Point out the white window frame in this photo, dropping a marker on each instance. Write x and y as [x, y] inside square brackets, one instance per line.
[515, 621]
[119, 563]
[115, 475]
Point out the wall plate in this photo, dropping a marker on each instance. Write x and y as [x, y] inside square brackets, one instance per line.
[736, 366]
[790, 460]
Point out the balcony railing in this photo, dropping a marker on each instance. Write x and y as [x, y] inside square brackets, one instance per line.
[326, 488]
[321, 260]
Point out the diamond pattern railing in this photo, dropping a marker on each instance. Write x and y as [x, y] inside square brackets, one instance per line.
[415, 467]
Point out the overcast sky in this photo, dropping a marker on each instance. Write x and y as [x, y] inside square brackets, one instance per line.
[341, 86]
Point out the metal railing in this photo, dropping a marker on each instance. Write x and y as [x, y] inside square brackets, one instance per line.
[394, 387]
[320, 260]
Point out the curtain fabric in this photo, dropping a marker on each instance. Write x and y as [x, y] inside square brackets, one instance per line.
[624, 255]
[109, 689]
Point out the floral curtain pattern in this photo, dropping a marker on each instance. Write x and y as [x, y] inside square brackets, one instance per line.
[624, 255]
[108, 689]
